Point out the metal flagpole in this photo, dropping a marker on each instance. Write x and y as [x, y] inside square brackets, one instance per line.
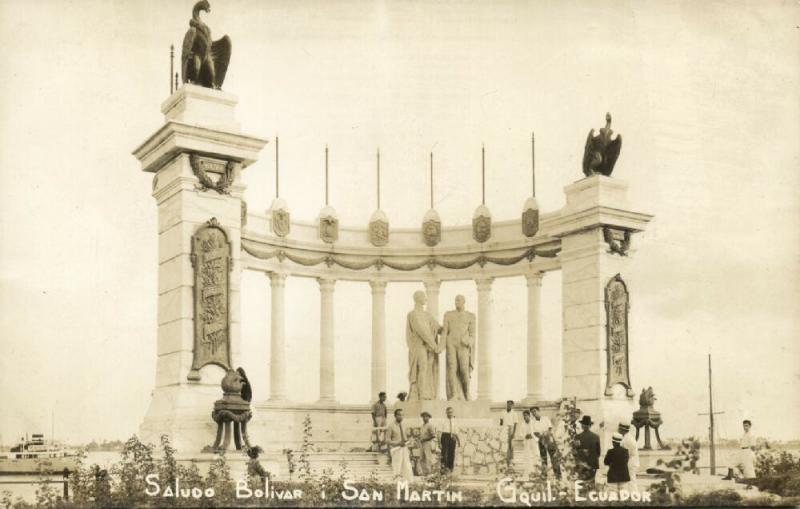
[277, 170]
[379, 177]
[171, 66]
[326, 175]
[483, 175]
[533, 164]
[431, 171]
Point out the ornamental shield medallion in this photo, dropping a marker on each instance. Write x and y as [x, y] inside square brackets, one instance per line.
[431, 232]
[481, 228]
[211, 260]
[617, 305]
[280, 222]
[379, 233]
[329, 229]
[530, 222]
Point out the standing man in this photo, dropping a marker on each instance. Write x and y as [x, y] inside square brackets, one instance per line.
[587, 452]
[748, 455]
[459, 333]
[427, 434]
[531, 443]
[617, 461]
[629, 443]
[543, 429]
[449, 441]
[379, 421]
[398, 448]
[510, 421]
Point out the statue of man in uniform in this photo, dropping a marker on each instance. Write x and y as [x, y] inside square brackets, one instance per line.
[422, 332]
[459, 331]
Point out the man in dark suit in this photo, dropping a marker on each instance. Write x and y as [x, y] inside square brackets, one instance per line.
[617, 461]
[587, 452]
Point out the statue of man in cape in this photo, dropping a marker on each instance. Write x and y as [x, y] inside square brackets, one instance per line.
[424, 347]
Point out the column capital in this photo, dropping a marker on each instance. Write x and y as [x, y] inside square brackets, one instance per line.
[484, 284]
[534, 278]
[326, 284]
[377, 285]
[432, 284]
[277, 278]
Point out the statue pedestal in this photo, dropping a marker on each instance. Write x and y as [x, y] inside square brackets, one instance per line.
[198, 122]
[437, 408]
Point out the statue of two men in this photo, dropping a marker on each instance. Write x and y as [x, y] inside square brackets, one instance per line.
[425, 343]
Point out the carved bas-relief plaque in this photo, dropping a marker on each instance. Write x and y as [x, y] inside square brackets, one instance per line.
[328, 229]
[481, 228]
[530, 222]
[617, 306]
[431, 232]
[211, 260]
[280, 222]
[213, 174]
[379, 233]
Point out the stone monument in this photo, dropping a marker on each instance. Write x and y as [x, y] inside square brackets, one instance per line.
[422, 338]
[196, 157]
[204, 62]
[459, 334]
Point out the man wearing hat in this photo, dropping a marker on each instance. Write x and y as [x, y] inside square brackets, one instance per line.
[617, 461]
[427, 434]
[629, 443]
[587, 452]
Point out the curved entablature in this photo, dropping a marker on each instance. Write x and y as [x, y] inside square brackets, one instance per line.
[405, 257]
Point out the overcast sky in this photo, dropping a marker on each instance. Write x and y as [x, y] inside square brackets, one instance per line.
[705, 95]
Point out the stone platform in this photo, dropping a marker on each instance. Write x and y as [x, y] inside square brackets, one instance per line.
[437, 408]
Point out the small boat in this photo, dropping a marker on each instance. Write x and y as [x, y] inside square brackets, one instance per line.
[36, 456]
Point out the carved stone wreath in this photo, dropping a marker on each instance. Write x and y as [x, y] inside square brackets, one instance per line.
[201, 166]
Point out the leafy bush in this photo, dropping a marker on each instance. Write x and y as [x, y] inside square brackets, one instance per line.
[778, 472]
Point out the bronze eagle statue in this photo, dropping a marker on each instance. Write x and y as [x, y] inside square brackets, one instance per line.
[601, 151]
[204, 62]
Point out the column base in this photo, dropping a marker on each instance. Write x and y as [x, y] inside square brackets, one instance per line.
[326, 401]
[533, 399]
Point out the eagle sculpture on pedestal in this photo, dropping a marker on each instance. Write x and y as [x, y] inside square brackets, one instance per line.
[204, 62]
[601, 151]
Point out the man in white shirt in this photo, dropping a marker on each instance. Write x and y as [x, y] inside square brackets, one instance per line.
[397, 437]
[449, 441]
[629, 443]
[542, 428]
[748, 455]
[531, 444]
[510, 421]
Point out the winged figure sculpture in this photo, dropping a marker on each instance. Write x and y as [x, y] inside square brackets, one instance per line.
[601, 151]
[204, 62]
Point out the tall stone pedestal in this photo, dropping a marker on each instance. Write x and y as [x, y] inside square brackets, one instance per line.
[196, 158]
[595, 228]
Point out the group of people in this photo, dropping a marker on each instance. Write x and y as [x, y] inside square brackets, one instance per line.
[539, 437]
[400, 442]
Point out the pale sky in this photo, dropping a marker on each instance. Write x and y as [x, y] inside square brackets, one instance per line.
[704, 94]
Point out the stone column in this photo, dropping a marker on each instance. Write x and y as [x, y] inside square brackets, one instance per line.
[535, 345]
[432, 292]
[484, 337]
[327, 347]
[378, 337]
[200, 139]
[595, 227]
[277, 350]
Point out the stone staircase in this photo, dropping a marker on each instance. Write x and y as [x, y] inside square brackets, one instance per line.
[359, 465]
